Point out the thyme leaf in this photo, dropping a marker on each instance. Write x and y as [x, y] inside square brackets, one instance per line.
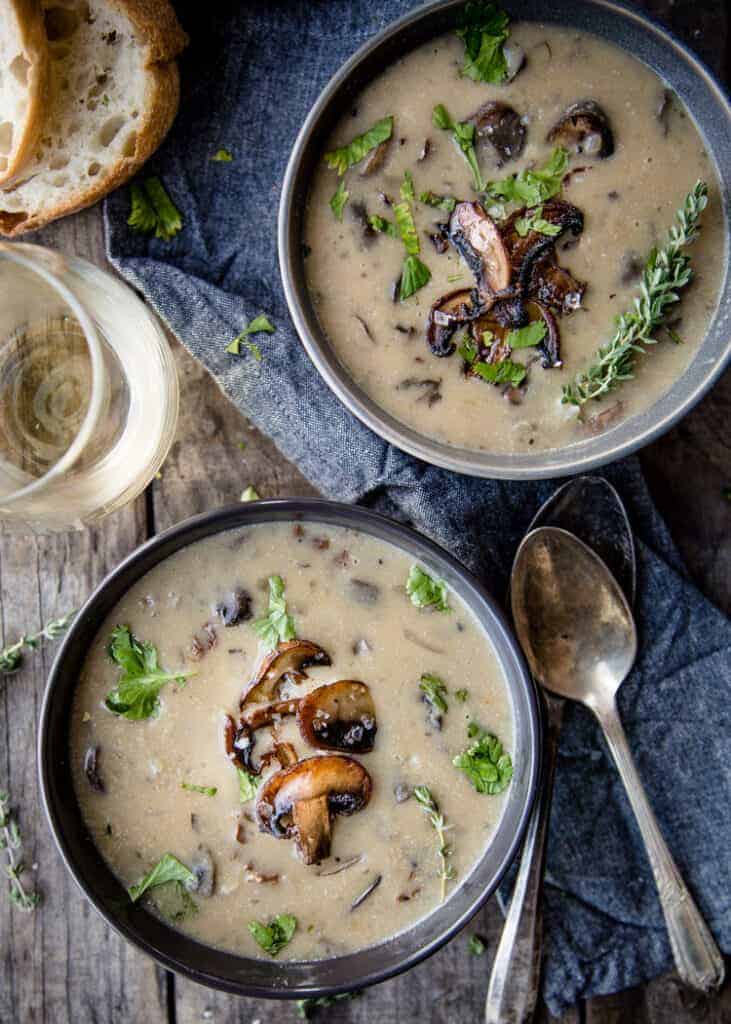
[11, 657]
[424, 798]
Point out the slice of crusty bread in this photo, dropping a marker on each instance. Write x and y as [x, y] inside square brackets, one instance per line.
[23, 83]
[114, 94]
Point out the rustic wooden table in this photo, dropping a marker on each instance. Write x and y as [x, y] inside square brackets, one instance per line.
[62, 964]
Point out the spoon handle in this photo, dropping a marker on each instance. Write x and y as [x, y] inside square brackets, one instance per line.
[514, 980]
[697, 957]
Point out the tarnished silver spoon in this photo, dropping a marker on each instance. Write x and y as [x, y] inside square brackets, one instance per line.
[578, 635]
[589, 507]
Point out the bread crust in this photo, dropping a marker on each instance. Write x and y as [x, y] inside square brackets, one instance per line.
[158, 29]
[29, 16]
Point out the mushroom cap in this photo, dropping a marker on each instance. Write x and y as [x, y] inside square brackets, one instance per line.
[584, 128]
[502, 127]
[477, 239]
[287, 660]
[339, 716]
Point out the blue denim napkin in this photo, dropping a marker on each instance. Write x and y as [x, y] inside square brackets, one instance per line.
[249, 78]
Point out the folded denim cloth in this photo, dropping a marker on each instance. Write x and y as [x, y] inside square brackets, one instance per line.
[249, 78]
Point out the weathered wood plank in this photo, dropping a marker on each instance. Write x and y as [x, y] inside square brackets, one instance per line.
[61, 964]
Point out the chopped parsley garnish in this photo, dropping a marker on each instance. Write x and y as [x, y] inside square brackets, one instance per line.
[407, 190]
[387, 227]
[435, 691]
[167, 869]
[247, 785]
[484, 28]
[446, 203]
[344, 157]
[461, 695]
[222, 156]
[136, 694]
[468, 350]
[503, 372]
[259, 325]
[153, 211]
[307, 1008]
[528, 336]
[425, 591]
[277, 624]
[273, 937]
[476, 945]
[485, 763]
[533, 187]
[203, 790]
[414, 273]
[339, 199]
[464, 135]
[534, 221]
[250, 494]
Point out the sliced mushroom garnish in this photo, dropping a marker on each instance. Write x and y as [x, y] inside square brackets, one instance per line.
[300, 802]
[555, 288]
[264, 714]
[501, 127]
[584, 128]
[526, 250]
[235, 607]
[287, 662]
[550, 347]
[375, 159]
[446, 317]
[476, 238]
[339, 716]
[514, 59]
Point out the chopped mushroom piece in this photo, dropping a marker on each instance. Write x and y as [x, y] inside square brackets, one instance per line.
[375, 159]
[555, 288]
[235, 608]
[500, 126]
[91, 769]
[446, 316]
[288, 661]
[477, 239]
[339, 716]
[583, 128]
[204, 871]
[299, 802]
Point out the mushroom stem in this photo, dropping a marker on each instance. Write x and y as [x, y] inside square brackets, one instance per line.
[311, 819]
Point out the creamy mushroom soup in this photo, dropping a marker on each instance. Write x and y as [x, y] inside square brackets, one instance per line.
[567, 266]
[278, 800]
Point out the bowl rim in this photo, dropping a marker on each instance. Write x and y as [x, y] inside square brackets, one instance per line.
[644, 427]
[189, 531]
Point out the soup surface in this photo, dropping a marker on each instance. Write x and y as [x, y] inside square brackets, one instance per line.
[346, 593]
[628, 201]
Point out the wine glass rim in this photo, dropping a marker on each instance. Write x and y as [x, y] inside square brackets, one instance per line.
[12, 252]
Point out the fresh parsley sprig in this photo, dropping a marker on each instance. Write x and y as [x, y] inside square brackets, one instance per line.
[435, 691]
[191, 787]
[463, 133]
[153, 212]
[426, 591]
[338, 200]
[136, 695]
[504, 371]
[248, 785]
[414, 273]
[446, 203]
[11, 657]
[532, 187]
[535, 221]
[167, 869]
[667, 271]
[11, 842]
[273, 937]
[352, 153]
[277, 624]
[484, 28]
[259, 325]
[488, 767]
[424, 798]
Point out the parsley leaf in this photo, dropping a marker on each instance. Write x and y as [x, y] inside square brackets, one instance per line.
[344, 157]
[387, 227]
[259, 325]
[153, 211]
[468, 350]
[277, 624]
[534, 221]
[136, 693]
[407, 228]
[476, 945]
[203, 790]
[274, 936]
[446, 203]
[485, 763]
[167, 869]
[463, 133]
[338, 200]
[528, 336]
[484, 28]
[503, 372]
[461, 695]
[414, 275]
[407, 191]
[247, 785]
[425, 591]
[435, 691]
[533, 187]
[307, 1008]
[222, 156]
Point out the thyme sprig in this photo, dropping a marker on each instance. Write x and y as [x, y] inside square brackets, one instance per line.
[667, 270]
[423, 796]
[11, 658]
[11, 841]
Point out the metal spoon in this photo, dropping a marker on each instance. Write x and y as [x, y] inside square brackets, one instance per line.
[577, 632]
[589, 507]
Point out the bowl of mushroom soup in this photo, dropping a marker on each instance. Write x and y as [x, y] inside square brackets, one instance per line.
[461, 227]
[289, 748]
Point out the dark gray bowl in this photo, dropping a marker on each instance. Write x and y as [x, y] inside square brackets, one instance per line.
[628, 28]
[243, 975]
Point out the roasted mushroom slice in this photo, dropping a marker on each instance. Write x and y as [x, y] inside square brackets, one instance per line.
[339, 716]
[555, 288]
[374, 161]
[583, 128]
[501, 127]
[550, 347]
[264, 714]
[300, 802]
[525, 250]
[476, 238]
[446, 316]
[288, 661]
